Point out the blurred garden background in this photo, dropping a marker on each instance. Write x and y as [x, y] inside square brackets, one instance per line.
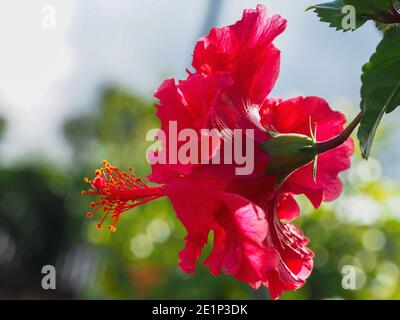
[82, 92]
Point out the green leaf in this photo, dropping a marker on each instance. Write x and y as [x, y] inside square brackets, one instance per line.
[370, 7]
[380, 91]
[331, 12]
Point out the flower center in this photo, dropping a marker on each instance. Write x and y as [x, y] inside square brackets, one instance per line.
[118, 192]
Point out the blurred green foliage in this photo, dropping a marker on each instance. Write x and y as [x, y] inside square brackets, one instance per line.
[2, 126]
[35, 227]
[42, 217]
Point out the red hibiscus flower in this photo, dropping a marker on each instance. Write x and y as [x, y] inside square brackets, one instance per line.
[249, 215]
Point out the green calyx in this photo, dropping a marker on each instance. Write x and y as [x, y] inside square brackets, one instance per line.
[289, 152]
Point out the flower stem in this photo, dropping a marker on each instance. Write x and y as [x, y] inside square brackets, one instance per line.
[392, 15]
[341, 138]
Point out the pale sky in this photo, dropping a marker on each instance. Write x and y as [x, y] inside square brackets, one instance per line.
[49, 74]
